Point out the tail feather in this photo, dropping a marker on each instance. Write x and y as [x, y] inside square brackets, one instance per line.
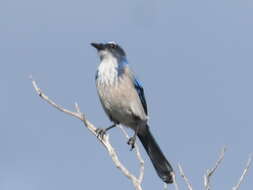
[159, 161]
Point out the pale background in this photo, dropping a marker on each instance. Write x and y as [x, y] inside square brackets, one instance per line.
[193, 57]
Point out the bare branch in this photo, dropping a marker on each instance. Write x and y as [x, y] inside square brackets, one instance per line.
[236, 187]
[175, 181]
[136, 181]
[189, 186]
[105, 140]
[52, 103]
[138, 155]
[210, 172]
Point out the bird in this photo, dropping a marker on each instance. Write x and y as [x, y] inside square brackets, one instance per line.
[122, 97]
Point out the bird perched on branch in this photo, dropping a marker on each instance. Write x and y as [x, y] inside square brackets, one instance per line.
[122, 97]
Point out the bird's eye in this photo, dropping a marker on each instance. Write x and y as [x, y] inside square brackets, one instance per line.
[113, 46]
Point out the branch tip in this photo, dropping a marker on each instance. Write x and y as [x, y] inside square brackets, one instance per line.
[245, 171]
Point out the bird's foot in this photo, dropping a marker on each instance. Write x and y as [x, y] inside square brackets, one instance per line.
[131, 142]
[100, 132]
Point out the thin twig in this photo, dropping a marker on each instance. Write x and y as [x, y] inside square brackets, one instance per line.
[105, 140]
[175, 181]
[138, 155]
[210, 172]
[52, 103]
[189, 186]
[236, 187]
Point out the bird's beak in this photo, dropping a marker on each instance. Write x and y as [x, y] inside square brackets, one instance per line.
[98, 46]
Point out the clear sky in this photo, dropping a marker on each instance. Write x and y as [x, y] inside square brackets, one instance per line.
[194, 59]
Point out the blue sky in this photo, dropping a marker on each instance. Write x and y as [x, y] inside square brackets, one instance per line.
[194, 59]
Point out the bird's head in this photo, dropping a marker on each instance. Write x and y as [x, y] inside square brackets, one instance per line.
[109, 50]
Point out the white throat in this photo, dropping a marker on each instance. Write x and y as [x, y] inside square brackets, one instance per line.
[107, 72]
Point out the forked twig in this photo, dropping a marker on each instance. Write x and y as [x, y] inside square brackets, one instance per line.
[210, 172]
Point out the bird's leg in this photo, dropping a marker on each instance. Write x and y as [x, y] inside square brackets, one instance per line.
[101, 132]
[131, 140]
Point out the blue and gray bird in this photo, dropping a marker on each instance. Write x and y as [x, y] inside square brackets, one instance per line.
[123, 100]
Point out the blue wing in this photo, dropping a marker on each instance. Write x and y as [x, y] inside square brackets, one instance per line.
[140, 91]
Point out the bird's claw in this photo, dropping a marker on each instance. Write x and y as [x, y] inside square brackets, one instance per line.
[100, 133]
[131, 142]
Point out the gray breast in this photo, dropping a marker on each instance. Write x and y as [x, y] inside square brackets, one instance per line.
[121, 102]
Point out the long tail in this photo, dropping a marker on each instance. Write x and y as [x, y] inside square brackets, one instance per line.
[160, 163]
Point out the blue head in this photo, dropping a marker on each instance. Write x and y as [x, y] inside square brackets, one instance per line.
[110, 50]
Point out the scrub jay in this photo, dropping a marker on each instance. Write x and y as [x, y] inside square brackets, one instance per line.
[123, 100]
